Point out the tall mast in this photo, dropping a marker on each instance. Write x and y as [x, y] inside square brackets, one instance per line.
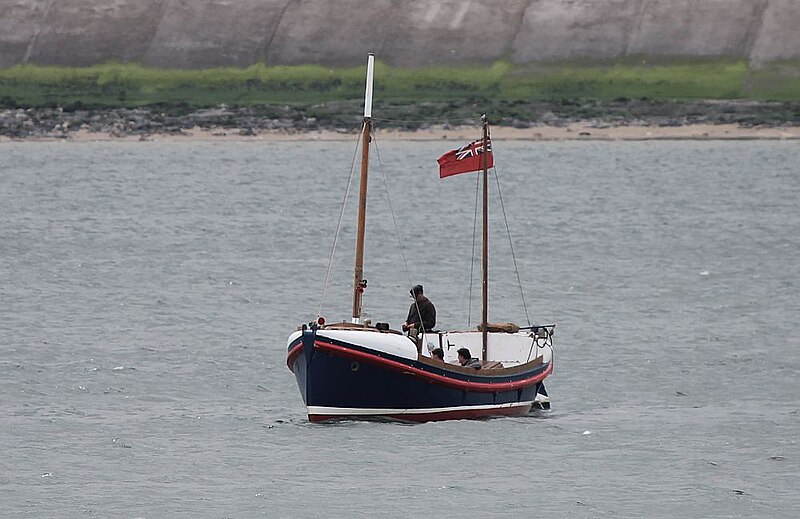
[358, 278]
[485, 253]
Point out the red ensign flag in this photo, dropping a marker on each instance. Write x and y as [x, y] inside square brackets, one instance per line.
[466, 159]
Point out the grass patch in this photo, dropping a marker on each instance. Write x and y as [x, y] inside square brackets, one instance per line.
[693, 80]
[118, 85]
[778, 81]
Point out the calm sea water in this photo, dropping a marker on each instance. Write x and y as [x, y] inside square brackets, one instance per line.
[147, 290]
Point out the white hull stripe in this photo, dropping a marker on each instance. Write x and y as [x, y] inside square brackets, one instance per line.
[366, 411]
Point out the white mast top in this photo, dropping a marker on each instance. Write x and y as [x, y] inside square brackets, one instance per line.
[359, 283]
[368, 94]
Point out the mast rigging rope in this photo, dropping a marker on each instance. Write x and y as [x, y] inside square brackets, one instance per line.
[396, 227]
[511, 245]
[339, 223]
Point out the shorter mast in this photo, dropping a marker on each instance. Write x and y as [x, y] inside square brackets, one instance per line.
[359, 283]
[485, 253]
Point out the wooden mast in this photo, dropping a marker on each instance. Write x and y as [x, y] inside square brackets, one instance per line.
[359, 283]
[485, 253]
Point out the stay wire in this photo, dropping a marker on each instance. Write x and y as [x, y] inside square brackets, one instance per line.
[339, 223]
[464, 120]
[394, 221]
[472, 255]
[511, 244]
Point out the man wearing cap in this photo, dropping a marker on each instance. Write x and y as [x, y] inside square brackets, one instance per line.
[421, 311]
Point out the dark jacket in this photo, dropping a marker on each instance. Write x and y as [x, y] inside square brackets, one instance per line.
[473, 363]
[428, 312]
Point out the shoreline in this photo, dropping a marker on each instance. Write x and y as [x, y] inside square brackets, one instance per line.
[569, 132]
[626, 120]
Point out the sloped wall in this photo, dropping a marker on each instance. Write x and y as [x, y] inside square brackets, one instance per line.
[210, 33]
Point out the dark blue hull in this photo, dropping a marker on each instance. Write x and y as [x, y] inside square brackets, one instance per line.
[340, 380]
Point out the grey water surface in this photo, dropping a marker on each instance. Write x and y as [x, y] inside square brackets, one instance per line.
[147, 290]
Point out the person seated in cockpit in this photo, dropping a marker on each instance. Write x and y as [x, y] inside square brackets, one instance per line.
[466, 359]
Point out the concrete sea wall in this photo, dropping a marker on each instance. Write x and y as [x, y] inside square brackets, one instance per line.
[212, 33]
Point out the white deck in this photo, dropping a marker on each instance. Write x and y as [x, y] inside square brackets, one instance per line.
[511, 349]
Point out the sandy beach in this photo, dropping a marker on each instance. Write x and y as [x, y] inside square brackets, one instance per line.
[581, 131]
[574, 131]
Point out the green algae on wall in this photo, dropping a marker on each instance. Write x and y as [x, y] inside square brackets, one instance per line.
[118, 85]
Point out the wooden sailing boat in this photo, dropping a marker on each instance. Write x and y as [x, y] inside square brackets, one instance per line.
[358, 371]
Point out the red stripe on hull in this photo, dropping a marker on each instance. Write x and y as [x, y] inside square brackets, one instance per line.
[459, 414]
[294, 352]
[483, 387]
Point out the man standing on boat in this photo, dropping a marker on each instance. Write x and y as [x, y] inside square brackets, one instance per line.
[421, 311]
